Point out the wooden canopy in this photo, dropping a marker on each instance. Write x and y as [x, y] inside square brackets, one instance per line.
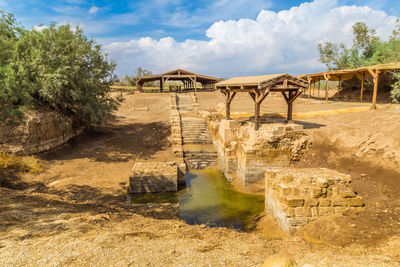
[346, 74]
[259, 87]
[189, 79]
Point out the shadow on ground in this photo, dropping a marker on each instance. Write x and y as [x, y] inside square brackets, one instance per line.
[115, 143]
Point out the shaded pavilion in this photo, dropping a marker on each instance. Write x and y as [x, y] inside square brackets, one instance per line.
[188, 78]
[258, 87]
[347, 74]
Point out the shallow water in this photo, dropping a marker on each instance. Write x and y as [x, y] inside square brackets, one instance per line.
[209, 199]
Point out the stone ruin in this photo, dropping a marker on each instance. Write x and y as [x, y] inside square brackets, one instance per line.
[151, 177]
[246, 153]
[298, 196]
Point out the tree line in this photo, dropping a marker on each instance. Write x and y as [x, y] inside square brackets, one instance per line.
[53, 67]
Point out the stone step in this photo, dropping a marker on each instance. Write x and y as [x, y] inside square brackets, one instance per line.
[196, 142]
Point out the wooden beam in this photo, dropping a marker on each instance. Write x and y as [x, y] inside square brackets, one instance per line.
[253, 95]
[295, 96]
[262, 95]
[285, 97]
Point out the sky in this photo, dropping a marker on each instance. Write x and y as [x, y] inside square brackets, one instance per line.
[222, 38]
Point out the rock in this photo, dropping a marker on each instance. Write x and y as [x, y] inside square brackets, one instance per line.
[279, 262]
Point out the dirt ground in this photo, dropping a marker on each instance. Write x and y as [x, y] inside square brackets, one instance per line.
[74, 212]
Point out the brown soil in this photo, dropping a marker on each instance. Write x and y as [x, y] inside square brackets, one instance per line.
[74, 212]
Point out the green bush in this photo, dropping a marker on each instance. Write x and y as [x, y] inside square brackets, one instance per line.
[55, 67]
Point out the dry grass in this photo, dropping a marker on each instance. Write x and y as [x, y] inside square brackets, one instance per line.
[12, 162]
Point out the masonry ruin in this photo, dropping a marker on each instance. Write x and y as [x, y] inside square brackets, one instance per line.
[245, 153]
[298, 196]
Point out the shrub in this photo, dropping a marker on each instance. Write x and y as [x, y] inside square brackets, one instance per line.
[55, 67]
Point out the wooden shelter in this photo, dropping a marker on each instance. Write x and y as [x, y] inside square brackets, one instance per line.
[189, 79]
[346, 74]
[259, 87]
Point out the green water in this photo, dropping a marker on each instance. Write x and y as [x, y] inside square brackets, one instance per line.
[209, 199]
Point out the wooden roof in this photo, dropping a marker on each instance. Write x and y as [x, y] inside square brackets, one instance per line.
[262, 81]
[347, 74]
[180, 74]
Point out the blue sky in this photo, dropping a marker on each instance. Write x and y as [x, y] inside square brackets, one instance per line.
[221, 38]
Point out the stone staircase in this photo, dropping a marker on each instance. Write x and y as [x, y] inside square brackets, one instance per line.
[195, 131]
[198, 150]
[199, 159]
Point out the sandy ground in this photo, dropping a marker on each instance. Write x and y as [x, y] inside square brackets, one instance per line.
[74, 213]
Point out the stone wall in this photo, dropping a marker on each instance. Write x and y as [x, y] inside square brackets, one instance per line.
[246, 153]
[40, 131]
[176, 132]
[152, 177]
[299, 196]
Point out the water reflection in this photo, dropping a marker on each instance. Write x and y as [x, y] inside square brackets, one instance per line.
[209, 199]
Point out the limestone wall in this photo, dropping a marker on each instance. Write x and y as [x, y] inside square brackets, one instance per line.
[246, 153]
[41, 131]
[176, 132]
[299, 196]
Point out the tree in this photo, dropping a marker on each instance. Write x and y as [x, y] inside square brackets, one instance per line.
[57, 68]
[11, 96]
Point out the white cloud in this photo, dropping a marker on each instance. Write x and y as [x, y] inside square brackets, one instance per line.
[93, 10]
[274, 42]
[39, 28]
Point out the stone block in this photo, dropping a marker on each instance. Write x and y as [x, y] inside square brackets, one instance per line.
[278, 130]
[311, 202]
[314, 212]
[302, 211]
[346, 193]
[356, 201]
[151, 177]
[339, 202]
[316, 192]
[325, 211]
[324, 202]
[294, 202]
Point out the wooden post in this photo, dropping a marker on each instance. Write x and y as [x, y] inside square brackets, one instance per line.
[161, 84]
[195, 85]
[120, 89]
[258, 98]
[327, 77]
[362, 85]
[228, 101]
[338, 90]
[309, 86]
[290, 107]
[139, 87]
[319, 87]
[375, 75]
[292, 96]
[256, 116]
